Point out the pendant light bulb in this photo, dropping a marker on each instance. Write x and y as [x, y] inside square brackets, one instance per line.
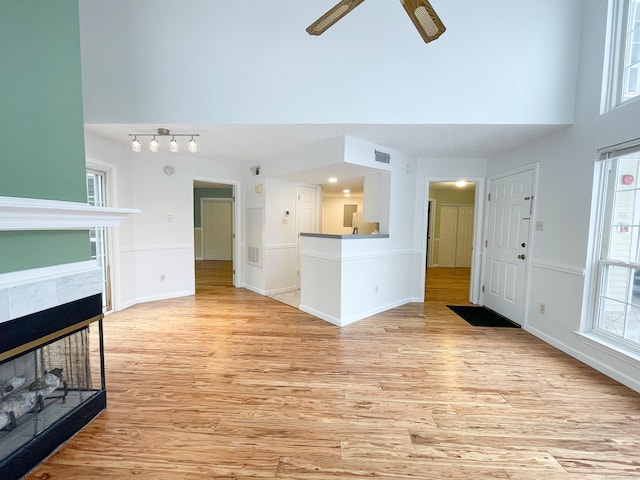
[173, 145]
[193, 146]
[153, 145]
[135, 145]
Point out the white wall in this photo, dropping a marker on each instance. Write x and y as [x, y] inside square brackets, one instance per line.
[214, 61]
[559, 254]
[281, 254]
[253, 277]
[333, 214]
[149, 244]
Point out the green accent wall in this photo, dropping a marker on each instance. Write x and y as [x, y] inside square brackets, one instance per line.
[200, 193]
[35, 249]
[41, 124]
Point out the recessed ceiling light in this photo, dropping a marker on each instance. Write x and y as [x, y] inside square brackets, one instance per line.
[461, 183]
[333, 180]
[346, 190]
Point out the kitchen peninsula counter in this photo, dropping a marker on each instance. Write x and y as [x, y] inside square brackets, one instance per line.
[345, 237]
[343, 277]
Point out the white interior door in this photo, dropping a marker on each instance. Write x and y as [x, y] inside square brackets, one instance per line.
[448, 236]
[307, 216]
[217, 229]
[509, 211]
[464, 238]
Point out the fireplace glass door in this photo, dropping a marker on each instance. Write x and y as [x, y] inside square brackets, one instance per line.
[42, 386]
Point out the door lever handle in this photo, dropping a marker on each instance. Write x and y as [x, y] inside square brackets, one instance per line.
[521, 257]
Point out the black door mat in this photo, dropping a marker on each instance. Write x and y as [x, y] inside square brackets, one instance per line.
[482, 317]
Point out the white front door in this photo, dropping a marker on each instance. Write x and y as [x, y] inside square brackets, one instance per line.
[217, 229]
[509, 212]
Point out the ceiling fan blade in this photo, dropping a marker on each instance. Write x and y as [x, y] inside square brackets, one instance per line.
[424, 18]
[332, 16]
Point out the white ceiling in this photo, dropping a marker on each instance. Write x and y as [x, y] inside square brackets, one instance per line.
[252, 143]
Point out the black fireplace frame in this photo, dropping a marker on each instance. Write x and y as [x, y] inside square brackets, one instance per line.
[25, 334]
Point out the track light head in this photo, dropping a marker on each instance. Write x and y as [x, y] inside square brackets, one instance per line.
[135, 145]
[173, 145]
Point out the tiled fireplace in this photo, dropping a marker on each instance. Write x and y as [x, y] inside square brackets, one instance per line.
[51, 361]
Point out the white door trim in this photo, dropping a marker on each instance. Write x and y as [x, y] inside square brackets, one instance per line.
[237, 227]
[477, 259]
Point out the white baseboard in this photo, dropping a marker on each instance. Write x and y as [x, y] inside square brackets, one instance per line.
[374, 311]
[168, 296]
[277, 291]
[594, 363]
[320, 315]
[354, 318]
[254, 289]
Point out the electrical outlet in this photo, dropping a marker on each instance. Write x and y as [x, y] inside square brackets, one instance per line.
[542, 308]
[163, 277]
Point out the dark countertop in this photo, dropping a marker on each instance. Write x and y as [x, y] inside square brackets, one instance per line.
[345, 237]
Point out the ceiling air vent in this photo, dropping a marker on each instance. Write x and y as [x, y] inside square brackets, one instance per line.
[382, 157]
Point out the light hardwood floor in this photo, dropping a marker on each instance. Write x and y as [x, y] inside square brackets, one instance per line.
[232, 385]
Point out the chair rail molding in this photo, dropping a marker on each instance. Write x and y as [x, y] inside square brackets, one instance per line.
[41, 214]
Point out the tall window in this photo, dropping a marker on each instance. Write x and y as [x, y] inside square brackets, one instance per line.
[96, 196]
[624, 64]
[617, 312]
[631, 60]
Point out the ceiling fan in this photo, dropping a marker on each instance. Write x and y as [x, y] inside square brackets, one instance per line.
[420, 12]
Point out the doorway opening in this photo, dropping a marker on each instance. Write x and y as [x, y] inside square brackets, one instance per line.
[450, 237]
[213, 235]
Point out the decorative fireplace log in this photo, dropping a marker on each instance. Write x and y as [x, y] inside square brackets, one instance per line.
[25, 400]
[12, 385]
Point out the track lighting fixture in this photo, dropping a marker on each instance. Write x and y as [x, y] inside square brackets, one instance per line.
[154, 144]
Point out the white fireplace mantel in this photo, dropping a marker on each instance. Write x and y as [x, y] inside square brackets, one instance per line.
[39, 214]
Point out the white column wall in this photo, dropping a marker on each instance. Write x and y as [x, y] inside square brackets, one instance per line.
[281, 256]
[254, 196]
